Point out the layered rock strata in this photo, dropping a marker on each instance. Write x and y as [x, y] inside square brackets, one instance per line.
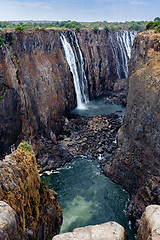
[37, 210]
[105, 231]
[136, 164]
[36, 85]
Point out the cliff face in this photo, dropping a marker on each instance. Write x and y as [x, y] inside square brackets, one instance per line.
[136, 164]
[36, 85]
[37, 209]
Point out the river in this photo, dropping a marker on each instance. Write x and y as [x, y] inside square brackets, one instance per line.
[86, 196]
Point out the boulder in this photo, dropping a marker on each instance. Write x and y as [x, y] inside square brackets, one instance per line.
[149, 228]
[8, 223]
[105, 231]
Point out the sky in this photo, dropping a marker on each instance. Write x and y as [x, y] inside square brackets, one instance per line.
[80, 10]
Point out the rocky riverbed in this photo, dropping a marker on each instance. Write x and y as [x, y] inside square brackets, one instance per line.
[94, 137]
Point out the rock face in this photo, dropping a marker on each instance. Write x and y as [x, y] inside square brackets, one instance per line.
[36, 207]
[136, 164]
[105, 231]
[36, 85]
[8, 223]
[150, 224]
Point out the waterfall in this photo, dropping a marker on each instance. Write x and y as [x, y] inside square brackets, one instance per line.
[121, 45]
[79, 77]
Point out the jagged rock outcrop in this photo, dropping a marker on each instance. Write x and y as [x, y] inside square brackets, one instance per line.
[136, 165]
[150, 224]
[8, 223]
[37, 209]
[105, 231]
[36, 85]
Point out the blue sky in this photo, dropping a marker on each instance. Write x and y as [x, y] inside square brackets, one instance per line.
[80, 10]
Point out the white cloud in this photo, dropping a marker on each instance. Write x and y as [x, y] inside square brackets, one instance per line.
[138, 2]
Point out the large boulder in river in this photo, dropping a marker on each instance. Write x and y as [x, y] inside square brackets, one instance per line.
[149, 228]
[8, 223]
[105, 231]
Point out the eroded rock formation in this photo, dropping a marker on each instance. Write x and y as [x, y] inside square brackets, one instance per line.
[150, 224]
[136, 165]
[8, 223]
[105, 231]
[36, 85]
[37, 209]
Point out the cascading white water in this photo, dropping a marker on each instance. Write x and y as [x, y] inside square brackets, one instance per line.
[82, 76]
[80, 84]
[121, 48]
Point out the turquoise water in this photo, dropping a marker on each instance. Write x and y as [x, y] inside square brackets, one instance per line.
[99, 107]
[86, 196]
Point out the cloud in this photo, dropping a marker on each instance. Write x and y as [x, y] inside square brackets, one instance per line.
[138, 2]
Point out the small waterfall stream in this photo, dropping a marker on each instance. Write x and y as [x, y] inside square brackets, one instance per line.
[80, 81]
[121, 49]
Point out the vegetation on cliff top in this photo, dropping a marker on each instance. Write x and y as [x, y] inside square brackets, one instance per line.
[138, 26]
[154, 25]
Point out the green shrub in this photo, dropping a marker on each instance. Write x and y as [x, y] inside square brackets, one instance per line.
[1, 42]
[95, 29]
[37, 28]
[149, 25]
[19, 29]
[78, 28]
[106, 28]
[157, 19]
[43, 28]
[25, 145]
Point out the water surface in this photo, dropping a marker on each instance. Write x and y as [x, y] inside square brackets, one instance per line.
[86, 196]
[99, 107]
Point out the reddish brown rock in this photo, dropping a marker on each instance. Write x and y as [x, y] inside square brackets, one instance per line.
[136, 164]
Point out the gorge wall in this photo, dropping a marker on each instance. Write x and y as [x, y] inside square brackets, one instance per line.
[34, 211]
[136, 164]
[36, 85]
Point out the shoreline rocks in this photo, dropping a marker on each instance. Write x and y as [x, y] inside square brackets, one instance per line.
[149, 227]
[8, 223]
[105, 231]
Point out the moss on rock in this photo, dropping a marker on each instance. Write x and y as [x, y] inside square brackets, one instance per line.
[37, 208]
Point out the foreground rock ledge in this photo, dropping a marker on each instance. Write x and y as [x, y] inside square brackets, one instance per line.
[8, 223]
[150, 224]
[105, 231]
[37, 209]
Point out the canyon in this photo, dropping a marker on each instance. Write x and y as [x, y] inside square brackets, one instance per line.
[37, 92]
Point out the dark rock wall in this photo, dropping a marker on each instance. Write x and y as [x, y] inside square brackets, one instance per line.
[36, 85]
[137, 163]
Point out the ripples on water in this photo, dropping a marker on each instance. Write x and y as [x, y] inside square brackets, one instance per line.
[86, 196]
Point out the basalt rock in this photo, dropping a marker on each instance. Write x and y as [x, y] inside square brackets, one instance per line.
[136, 164]
[37, 209]
[36, 85]
[94, 137]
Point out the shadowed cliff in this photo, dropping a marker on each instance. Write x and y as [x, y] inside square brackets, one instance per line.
[36, 85]
[136, 164]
